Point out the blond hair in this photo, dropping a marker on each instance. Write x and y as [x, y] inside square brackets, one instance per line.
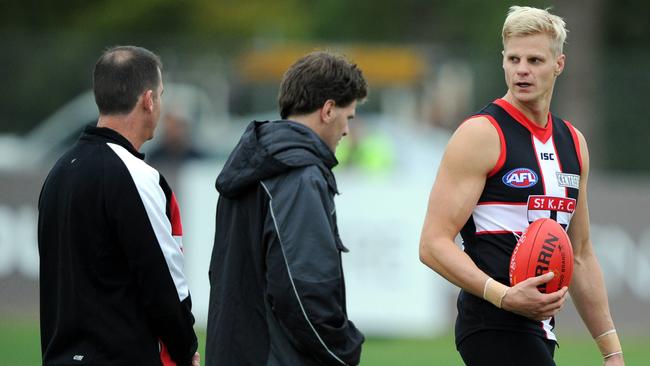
[525, 21]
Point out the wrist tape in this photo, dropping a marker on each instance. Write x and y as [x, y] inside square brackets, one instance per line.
[609, 344]
[494, 292]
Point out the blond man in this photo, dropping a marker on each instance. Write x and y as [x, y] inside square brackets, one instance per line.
[472, 195]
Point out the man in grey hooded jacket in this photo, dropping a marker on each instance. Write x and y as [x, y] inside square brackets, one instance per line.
[277, 290]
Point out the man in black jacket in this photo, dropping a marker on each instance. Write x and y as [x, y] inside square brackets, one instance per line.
[112, 286]
[277, 291]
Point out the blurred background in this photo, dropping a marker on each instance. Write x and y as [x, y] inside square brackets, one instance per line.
[430, 64]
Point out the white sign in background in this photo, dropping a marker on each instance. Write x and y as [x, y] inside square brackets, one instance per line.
[389, 291]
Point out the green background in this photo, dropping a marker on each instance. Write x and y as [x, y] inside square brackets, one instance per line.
[19, 346]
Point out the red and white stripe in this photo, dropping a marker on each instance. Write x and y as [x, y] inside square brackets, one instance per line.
[147, 181]
[548, 168]
[500, 217]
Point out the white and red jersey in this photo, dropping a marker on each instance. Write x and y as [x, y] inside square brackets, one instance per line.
[537, 176]
[112, 285]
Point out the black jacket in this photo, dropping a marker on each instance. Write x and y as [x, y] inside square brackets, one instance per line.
[277, 290]
[111, 263]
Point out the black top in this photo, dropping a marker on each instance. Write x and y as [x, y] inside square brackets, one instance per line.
[537, 175]
[277, 290]
[112, 287]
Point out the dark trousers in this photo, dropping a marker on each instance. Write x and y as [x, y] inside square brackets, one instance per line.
[503, 348]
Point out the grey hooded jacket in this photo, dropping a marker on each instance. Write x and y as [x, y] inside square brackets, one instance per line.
[277, 289]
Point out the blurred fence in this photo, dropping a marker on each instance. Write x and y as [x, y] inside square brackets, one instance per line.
[390, 292]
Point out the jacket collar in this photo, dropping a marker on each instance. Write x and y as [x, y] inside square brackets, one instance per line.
[105, 134]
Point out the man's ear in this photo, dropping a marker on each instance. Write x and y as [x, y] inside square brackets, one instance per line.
[560, 64]
[327, 113]
[147, 100]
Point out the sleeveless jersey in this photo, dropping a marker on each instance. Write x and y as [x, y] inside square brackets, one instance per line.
[537, 175]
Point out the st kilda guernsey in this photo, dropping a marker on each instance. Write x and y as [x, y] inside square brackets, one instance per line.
[537, 175]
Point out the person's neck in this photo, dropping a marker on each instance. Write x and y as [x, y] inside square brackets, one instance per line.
[310, 120]
[536, 111]
[125, 126]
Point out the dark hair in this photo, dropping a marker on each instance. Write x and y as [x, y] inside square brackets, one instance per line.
[121, 74]
[316, 78]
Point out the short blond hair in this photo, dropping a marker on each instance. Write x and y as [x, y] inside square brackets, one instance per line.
[525, 21]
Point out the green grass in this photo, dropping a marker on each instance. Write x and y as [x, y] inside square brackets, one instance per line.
[20, 343]
[19, 346]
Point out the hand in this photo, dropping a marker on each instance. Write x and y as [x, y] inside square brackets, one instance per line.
[616, 360]
[196, 359]
[525, 299]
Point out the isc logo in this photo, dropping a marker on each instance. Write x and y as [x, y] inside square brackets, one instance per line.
[547, 156]
[520, 178]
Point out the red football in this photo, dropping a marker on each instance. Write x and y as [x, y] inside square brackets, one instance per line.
[543, 247]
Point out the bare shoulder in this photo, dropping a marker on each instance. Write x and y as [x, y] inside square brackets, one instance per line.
[477, 143]
[479, 127]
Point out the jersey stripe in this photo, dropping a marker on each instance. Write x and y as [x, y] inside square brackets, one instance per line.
[576, 141]
[548, 167]
[502, 142]
[500, 217]
[513, 217]
[147, 180]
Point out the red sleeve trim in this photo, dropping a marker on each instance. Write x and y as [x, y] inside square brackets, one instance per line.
[576, 142]
[502, 140]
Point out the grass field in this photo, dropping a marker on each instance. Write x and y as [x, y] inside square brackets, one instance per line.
[19, 346]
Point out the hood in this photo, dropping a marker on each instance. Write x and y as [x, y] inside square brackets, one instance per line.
[267, 149]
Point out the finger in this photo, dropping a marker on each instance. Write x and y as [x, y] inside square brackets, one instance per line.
[552, 309]
[541, 279]
[564, 290]
[554, 296]
[547, 312]
[549, 299]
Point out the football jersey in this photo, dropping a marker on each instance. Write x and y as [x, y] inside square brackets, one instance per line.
[536, 176]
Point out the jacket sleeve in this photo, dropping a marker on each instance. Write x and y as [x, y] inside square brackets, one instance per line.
[304, 274]
[137, 207]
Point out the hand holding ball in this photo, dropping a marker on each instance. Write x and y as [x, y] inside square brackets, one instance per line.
[544, 247]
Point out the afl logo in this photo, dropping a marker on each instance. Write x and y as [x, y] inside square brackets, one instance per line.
[520, 178]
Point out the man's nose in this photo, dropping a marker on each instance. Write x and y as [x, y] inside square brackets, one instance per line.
[522, 68]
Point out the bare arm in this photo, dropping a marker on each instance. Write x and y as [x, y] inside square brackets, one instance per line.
[587, 287]
[455, 192]
[472, 152]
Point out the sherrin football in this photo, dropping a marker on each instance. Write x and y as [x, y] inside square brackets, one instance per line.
[543, 247]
